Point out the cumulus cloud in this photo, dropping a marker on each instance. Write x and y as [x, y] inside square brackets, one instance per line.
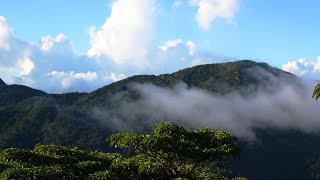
[127, 34]
[47, 42]
[5, 33]
[52, 64]
[72, 80]
[316, 66]
[174, 43]
[170, 44]
[119, 49]
[30, 63]
[209, 10]
[303, 67]
[26, 66]
[191, 47]
[116, 77]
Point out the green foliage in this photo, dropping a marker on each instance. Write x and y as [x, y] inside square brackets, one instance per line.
[199, 154]
[44, 120]
[52, 162]
[316, 92]
[170, 152]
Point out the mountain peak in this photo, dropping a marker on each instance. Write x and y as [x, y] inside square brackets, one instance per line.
[2, 83]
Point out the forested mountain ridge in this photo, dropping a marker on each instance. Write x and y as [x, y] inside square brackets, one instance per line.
[11, 94]
[67, 119]
[245, 76]
[29, 116]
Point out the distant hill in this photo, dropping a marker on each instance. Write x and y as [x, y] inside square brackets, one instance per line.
[11, 94]
[2, 83]
[29, 116]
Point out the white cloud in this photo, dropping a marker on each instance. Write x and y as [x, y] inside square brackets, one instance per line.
[116, 77]
[209, 10]
[47, 41]
[170, 44]
[127, 34]
[87, 76]
[5, 33]
[26, 65]
[192, 47]
[303, 67]
[174, 43]
[56, 74]
[53, 66]
[317, 65]
[70, 80]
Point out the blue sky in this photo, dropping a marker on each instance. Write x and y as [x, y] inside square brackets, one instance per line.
[75, 44]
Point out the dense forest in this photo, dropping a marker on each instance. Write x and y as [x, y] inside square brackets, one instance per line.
[84, 120]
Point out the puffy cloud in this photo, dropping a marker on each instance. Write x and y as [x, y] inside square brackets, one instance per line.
[86, 76]
[192, 47]
[303, 67]
[5, 33]
[170, 44]
[174, 43]
[209, 10]
[47, 41]
[116, 77]
[71, 80]
[127, 34]
[317, 65]
[26, 66]
[52, 65]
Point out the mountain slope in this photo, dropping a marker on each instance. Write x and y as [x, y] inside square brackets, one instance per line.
[2, 83]
[48, 120]
[11, 94]
[28, 116]
[245, 76]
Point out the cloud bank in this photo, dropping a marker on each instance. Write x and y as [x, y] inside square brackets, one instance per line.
[288, 108]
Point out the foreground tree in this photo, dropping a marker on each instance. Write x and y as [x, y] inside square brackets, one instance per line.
[198, 154]
[169, 152]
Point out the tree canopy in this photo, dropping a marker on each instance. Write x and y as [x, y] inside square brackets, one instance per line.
[169, 152]
[198, 154]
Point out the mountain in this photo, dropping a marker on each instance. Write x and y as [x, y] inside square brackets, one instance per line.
[2, 83]
[245, 76]
[29, 116]
[12, 94]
